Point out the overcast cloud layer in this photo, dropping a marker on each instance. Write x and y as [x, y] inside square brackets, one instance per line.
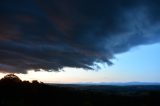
[52, 34]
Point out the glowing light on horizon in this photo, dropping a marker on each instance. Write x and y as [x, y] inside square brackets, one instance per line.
[139, 64]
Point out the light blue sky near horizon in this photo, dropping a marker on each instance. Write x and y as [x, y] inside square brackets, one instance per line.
[138, 64]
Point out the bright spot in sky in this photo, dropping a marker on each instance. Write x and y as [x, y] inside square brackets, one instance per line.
[139, 64]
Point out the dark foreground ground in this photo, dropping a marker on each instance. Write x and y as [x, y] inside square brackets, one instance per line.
[39, 94]
[15, 92]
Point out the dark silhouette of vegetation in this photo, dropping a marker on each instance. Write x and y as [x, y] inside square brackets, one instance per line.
[15, 92]
[10, 78]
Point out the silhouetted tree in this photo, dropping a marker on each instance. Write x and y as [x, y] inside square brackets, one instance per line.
[26, 82]
[10, 79]
[35, 82]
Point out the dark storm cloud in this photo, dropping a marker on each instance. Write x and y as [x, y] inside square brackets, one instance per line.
[52, 34]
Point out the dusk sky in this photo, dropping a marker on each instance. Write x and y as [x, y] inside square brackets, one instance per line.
[68, 41]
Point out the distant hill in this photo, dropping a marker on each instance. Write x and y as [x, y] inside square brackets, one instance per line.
[118, 83]
[15, 92]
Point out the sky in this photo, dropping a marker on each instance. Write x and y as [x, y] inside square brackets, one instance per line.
[125, 69]
[91, 40]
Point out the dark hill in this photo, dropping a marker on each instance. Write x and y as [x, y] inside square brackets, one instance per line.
[14, 92]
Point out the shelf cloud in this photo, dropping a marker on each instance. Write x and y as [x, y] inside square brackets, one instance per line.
[52, 34]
